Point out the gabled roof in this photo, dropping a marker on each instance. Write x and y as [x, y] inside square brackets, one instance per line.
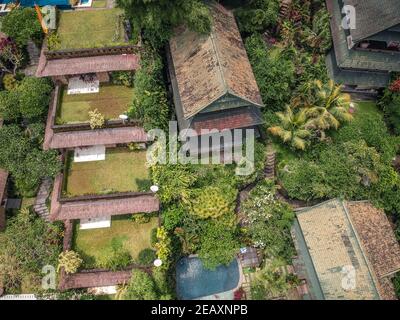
[338, 235]
[357, 59]
[206, 67]
[373, 16]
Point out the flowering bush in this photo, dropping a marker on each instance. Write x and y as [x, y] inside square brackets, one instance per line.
[395, 86]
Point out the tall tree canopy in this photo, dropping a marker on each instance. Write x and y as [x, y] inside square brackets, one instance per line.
[157, 18]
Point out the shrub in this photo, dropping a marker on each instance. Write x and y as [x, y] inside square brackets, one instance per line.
[147, 257]
[396, 283]
[172, 217]
[273, 72]
[268, 221]
[28, 244]
[163, 247]
[9, 82]
[22, 24]
[140, 287]
[53, 41]
[141, 218]
[153, 237]
[212, 202]
[125, 78]
[34, 96]
[96, 119]
[70, 261]
[150, 103]
[257, 15]
[218, 244]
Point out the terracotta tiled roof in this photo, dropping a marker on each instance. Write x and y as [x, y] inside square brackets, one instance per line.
[376, 236]
[229, 119]
[82, 65]
[207, 67]
[94, 279]
[338, 234]
[99, 208]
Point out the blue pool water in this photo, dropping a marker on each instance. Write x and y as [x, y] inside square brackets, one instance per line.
[194, 281]
[31, 3]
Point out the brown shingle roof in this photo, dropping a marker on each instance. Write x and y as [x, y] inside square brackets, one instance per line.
[231, 119]
[209, 66]
[99, 208]
[376, 237]
[94, 279]
[82, 65]
[105, 136]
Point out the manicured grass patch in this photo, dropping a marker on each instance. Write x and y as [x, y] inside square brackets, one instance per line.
[110, 101]
[366, 107]
[99, 4]
[122, 171]
[93, 244]
[85, 29]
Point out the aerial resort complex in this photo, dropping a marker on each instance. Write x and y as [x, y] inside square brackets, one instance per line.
[199, 150]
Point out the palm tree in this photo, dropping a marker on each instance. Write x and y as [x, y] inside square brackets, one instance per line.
[293, 129]
[325, 104]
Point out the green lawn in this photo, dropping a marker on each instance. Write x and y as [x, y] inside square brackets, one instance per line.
[111, 101]
[99, 4]
[93, 244]
[85, 29]
[366, 107]
[122, 171]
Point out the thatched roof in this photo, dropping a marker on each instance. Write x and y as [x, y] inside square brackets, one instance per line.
[207, 67]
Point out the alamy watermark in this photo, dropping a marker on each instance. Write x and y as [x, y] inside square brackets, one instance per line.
[208, 146]
[349, 20]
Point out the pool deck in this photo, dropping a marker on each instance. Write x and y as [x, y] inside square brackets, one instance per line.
[225, 295]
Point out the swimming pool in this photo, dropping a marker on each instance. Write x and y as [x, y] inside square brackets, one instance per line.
[194, 281]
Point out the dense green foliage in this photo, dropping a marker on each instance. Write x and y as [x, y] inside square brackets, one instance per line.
[28, 244]
[390, 103]
[274, 73]
[144, 286]
[218, 244]
[22, 25]
[257, 15]
[30, 99]
[150, 104]
[20, 154]
[268, 221]
[355, 165]
[157, 18]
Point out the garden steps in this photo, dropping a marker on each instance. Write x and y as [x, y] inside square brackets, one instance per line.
[269, 170]
[285, 7]
[40, 206]
[34, 53]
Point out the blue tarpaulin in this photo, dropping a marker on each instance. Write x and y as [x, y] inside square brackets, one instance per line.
[41, 3]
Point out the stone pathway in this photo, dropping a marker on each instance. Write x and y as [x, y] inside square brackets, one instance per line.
[40, 206]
